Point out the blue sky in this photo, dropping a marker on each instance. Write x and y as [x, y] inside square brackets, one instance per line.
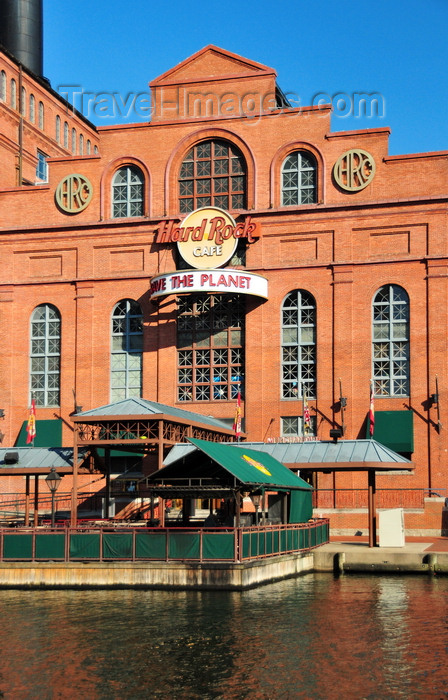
[394, 49]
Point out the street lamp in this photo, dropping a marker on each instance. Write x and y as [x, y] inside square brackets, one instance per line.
[256, 500]
[53, 480]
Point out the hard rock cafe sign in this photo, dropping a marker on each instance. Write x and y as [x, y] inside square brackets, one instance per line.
[224, 281]
[207, 239]
[354, 170]
[74, 193]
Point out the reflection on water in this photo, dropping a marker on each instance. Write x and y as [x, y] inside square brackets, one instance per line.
[311, 637]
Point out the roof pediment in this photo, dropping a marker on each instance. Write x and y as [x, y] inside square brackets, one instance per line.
[212, 64]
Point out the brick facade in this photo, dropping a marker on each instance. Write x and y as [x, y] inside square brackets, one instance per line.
[341, 249]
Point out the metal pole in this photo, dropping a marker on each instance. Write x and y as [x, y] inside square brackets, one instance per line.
[74, 517]
[372, 508]
[108, 469]
[27, 500]
[237, 508]
[20, 163]
[36, 500]
[52, 509]
[160, 445]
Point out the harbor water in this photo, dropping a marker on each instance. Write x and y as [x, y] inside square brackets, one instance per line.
[311, 637]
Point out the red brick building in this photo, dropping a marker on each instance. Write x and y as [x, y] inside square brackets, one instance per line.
[334, 257]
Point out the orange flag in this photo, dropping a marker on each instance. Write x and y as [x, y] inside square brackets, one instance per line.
[31, 425]
[371, 411]
[237, 422]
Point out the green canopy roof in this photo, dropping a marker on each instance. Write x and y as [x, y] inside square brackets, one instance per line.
[250, 466]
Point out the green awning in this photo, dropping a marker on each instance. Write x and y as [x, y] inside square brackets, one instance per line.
[394, 429]
[251, 466]
[48, 434]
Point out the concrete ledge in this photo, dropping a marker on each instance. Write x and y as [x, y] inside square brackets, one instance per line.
[159, 575]
[335, 558]
[340, 557]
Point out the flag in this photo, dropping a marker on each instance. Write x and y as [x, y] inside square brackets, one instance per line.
[31, 425]
[237, 422]
[306, 414]
[371, 411]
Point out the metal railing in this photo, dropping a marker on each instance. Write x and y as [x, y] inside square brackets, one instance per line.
[263, 542]
[12, 505]
[194, 544]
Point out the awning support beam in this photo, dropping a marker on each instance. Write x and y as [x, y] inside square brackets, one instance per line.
[372, 508]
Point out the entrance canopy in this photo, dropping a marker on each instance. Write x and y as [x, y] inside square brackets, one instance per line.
[223, 471]
[325, 456]
[143, 427]
[140, 424]
[322, 455]
[229, 466]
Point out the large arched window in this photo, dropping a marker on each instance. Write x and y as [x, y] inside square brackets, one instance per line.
[210, 341]
[66, 134]
[127, 192]
[298, 345]
[299, 179]
[45, 355]
[58, 128]
[213, 173]
[127, 350]
[391, 341]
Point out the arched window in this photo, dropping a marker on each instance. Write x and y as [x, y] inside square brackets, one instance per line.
[73, 140]
[41, 115]
[213, 173]
[127, 350]
[13, 95]
[32, 108]
[23, 102]
[210, 341]
[127, 192]
[391, 341]
[299, 179]
[58, 128]
[89, 147]
[3, 86]
[81, 145]
[298, 345]
[45, 355]
[65, 135]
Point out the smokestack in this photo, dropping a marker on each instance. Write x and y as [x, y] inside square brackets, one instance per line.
[21, 32]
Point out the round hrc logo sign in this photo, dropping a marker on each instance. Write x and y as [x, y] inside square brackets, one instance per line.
[207, 238]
